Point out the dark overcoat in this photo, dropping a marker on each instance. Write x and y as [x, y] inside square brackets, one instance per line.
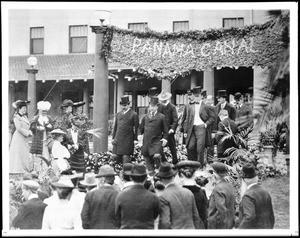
[37, 140]
[256, 209]
[244, 116]
[221, 209]
[125, 132]
[30, 215]
[228, 107]
[188, 116]
[171, 115]
[154, 129]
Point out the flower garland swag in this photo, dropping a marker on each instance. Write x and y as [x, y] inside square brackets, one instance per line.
[169, 55]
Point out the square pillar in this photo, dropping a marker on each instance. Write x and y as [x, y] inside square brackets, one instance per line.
[209, 82]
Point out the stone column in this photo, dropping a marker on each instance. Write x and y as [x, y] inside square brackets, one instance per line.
[120, 89]
[209, 82]
[193, 80]
[86, 96]
[166, 85]
[31, 95]
[101, 94]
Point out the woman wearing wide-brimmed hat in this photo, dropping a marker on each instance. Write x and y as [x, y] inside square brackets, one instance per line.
[19, 147]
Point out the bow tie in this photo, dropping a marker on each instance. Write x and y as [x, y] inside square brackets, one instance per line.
[194, 103]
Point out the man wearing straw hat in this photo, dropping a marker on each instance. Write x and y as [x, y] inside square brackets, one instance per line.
[170, 112]
[136, 207]
[125, 132]
[98, 210]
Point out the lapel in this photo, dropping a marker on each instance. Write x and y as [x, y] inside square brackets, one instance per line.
[24, 119]
[192, 112]
[201, 108]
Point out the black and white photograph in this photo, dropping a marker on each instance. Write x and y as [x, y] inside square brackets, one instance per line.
[149, 119]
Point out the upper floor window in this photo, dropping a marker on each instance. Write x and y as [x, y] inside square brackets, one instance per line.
[180, 26]
[37, 40]
[138, 26]
[233, 22]
[78, 39]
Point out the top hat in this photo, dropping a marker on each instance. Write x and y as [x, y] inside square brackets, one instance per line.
[89, 180]
[152, 91]
[166, 170]
[188, 163]
[20, 103]
[153, 101]
[219, 168]
[197, 90]
[138, 170]
[31, 184]
[164, 95]
[78, 104]
[64, 182]
[203, 94]
[237, 96]
[127, 168]
[124, 100]
[106, 171]
[249, 171]
[58, 131]
[43, 105]
[189, 92]
[222, 93]
[67, 103]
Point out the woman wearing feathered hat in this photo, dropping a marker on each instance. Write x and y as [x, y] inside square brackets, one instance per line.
[19, 147]
[41, 125]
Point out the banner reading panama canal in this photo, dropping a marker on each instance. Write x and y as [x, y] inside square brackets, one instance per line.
[167, 55]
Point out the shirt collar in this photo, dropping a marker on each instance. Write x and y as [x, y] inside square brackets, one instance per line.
[250, 185]
[31, 196]
[126, 111]
[170, 184]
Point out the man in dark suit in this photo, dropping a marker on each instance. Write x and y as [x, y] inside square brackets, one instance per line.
[76, 140]
[125, 132]
[197, 117]
[221, 208]
[170, 112]
[255, 209]
[136, 207]
[155, 129]
[244, 116]
[226, 127]
[224, 105]
[98, 211]
[30, 213]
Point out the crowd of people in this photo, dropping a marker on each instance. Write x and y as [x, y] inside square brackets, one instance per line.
[146, 196]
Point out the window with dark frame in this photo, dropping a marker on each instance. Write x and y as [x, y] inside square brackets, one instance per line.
[233, 22]
[138, 26]
[78, 39]
[37, 40]
[180, 26]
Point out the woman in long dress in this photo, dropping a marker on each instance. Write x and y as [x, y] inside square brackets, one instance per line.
[19, 157]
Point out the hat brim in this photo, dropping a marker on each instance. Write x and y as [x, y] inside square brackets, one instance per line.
[193, 164]
[162, 175]
[106, 175]
[78, 104]
[137, 175]
[61, 185]
[88, 184]
[125, 103]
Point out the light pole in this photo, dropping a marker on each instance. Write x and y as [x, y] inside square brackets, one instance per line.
[31, 93]
[101, 89]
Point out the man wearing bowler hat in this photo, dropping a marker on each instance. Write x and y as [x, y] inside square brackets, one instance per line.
[125, 132]
[136, 207]
[154, 127]
[244, 116]
[255, 209]
[178, 208]
[198, 118]
[30, 213]
[224, 105]
[170, 112]
[221, 208]
[98, 210]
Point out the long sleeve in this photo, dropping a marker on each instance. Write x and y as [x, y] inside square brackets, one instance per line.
[165, 215]
[218, 219]
[23, 131]
[16, 223]
[59, 151]
[115, 126]
[175, 118]
[142, 125]
[198, 223]
[45, 223]
[136, 126]
[85, 217]
[164, 128]
[248, 215]
[183, 119]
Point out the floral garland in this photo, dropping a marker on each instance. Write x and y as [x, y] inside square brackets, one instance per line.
[169, 55]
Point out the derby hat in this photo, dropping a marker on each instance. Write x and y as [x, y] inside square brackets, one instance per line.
[197, 90]
[154, 101]
[43, 105]
[31, 184]
[89, 180]
[78, 104]
[64, 182]
[127, 168]
[166, 170]
[164, 95]
[249, 171]
[106, 171]
[124, 100]
[222, 93]
[220, 168]
[188, 163]
[67, 103]
[152, 91]
[58, 131]
[203, 94]
[20, 103]
[138, 170]
[237, 96]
